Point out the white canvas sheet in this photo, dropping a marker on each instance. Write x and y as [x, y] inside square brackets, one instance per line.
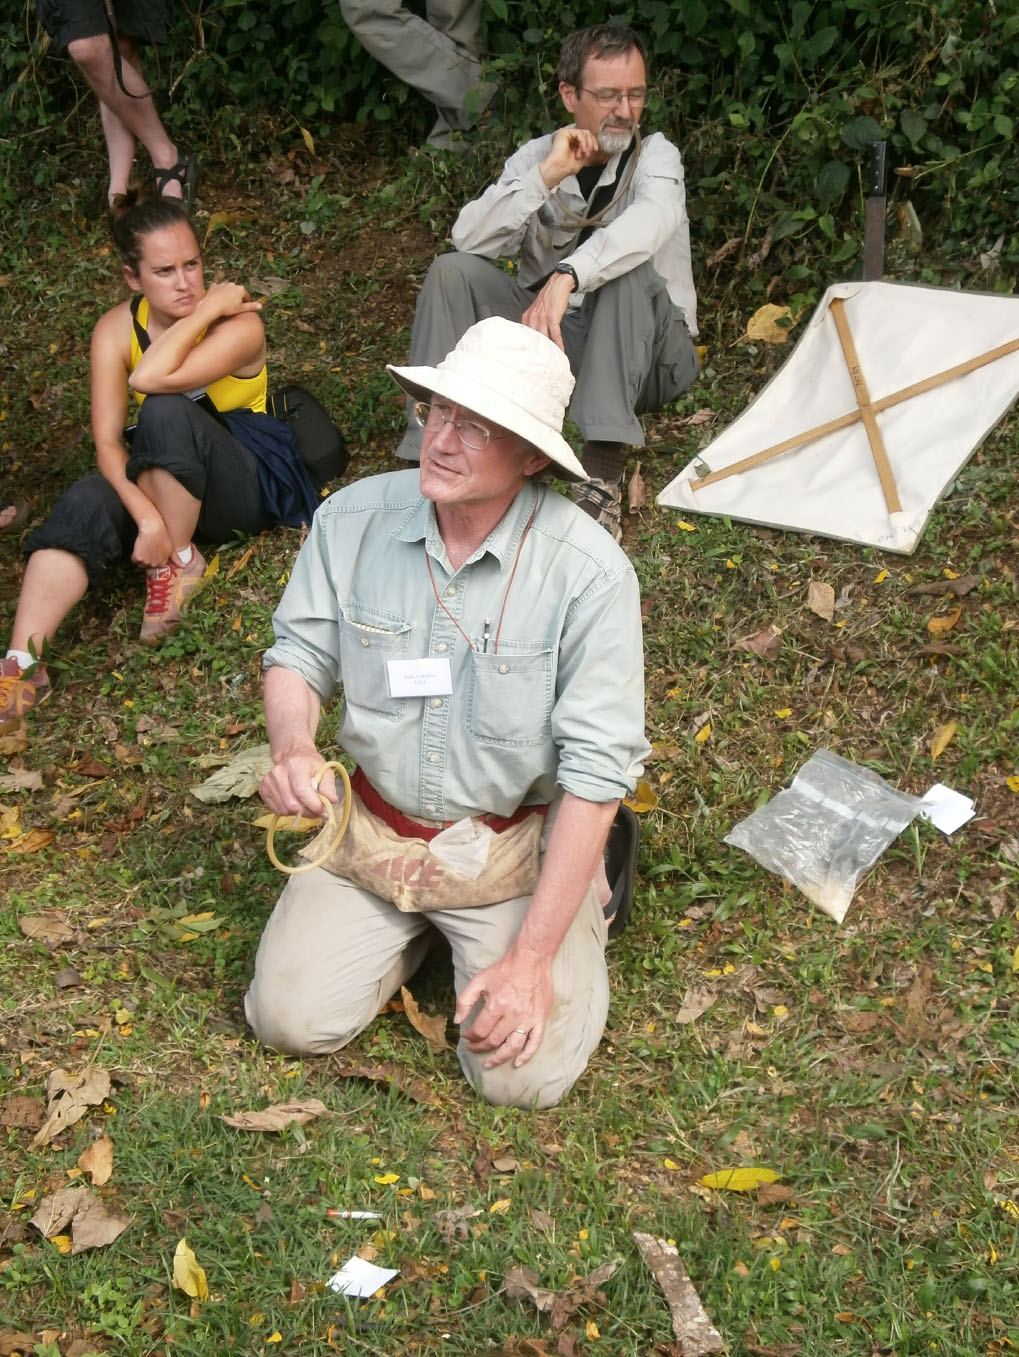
[830, 486]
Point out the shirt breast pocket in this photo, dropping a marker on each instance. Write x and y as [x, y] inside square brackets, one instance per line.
[366, 647]
[510, 701]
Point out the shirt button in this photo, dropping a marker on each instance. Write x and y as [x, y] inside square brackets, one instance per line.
[442, 647]
[365, 641]
[432, 810]
[451, 591]
[504, 669]
[433, 758]
[436, 701]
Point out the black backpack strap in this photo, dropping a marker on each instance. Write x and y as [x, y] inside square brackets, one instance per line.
[603, 196]
[140, 333]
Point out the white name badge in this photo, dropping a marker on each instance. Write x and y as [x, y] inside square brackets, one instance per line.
[420, 678]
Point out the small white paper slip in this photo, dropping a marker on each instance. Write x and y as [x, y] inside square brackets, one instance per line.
[947, 810]
[358, 1278]
[420, 678]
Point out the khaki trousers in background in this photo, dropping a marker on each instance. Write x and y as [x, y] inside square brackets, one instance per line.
[333, 954]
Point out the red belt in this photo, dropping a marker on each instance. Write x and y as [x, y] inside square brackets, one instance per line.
[410, 829]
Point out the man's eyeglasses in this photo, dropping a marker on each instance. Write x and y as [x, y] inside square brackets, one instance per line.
[609, 98]
[469, 431]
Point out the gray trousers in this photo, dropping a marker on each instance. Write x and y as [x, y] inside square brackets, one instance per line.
[628, 343]
[332, 954]
[437, 56]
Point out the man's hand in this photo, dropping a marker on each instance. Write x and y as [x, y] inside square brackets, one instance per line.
[548, 308]
[289, 788]
[572, 148]
[516, 996]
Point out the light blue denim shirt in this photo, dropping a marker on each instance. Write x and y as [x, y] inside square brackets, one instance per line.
[553, 699]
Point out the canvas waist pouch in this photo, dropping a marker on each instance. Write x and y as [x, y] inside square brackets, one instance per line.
[470, 864]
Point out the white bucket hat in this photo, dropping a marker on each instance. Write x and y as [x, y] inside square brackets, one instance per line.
[508, 373]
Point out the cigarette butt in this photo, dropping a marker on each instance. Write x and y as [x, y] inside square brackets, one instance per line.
[353, 1215]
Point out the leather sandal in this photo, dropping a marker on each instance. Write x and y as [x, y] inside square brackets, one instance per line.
[185, 173]
[621, 868]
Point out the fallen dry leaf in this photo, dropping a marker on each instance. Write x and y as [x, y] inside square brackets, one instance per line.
[416, 1089]
[771, 1194]
[69, 1097]
[937, 626]
[22, 780]
[821, 599]
[766, 643]
[188, 1274]
[739, 1180]
[11, 1341]
[31, 842]
[92, 768]
[433, 1029]
[943, 737]
[697, 1000]
[19, 1111]
[51, 928]
[643, 798]
[94, 1222]
[521, 1283]
[275, 1117]
[97, 1161]
[636, 491]
[97, 1224]
[765, 324]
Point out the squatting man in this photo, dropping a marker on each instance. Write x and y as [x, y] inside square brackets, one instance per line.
[598, 220]
[487, 637]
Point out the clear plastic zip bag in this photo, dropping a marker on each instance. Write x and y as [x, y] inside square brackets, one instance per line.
[827, 829]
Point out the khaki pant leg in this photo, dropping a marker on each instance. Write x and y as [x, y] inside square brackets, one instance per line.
[478, 938]
[328, 961]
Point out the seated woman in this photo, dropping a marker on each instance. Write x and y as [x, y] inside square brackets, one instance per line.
[183, 474]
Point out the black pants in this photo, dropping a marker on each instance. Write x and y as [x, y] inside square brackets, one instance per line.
[178, 436]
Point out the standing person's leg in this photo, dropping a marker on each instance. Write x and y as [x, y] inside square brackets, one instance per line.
[460, 20]
[429, 59]
[459, 290]
[329, 959]
[129, 117]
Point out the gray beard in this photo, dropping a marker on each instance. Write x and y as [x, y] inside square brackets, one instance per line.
[613, 140]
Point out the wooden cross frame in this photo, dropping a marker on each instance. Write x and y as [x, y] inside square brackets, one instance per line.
[866, 411]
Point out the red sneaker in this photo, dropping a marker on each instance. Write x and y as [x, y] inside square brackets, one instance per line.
[168, 590]
[20, 692]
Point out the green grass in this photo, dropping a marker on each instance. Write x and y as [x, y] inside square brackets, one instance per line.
[872, 1065]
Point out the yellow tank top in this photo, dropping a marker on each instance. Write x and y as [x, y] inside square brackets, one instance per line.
[229, 393]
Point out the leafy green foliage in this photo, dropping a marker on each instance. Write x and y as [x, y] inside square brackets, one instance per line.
[775, 106]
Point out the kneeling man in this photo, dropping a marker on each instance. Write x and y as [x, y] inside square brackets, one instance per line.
[487, 637]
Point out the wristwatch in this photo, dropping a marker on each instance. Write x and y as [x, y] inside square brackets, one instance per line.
[563, 267]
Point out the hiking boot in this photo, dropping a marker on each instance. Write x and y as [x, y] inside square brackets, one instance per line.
[21, 690]
[603, 501]
[168, 590]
